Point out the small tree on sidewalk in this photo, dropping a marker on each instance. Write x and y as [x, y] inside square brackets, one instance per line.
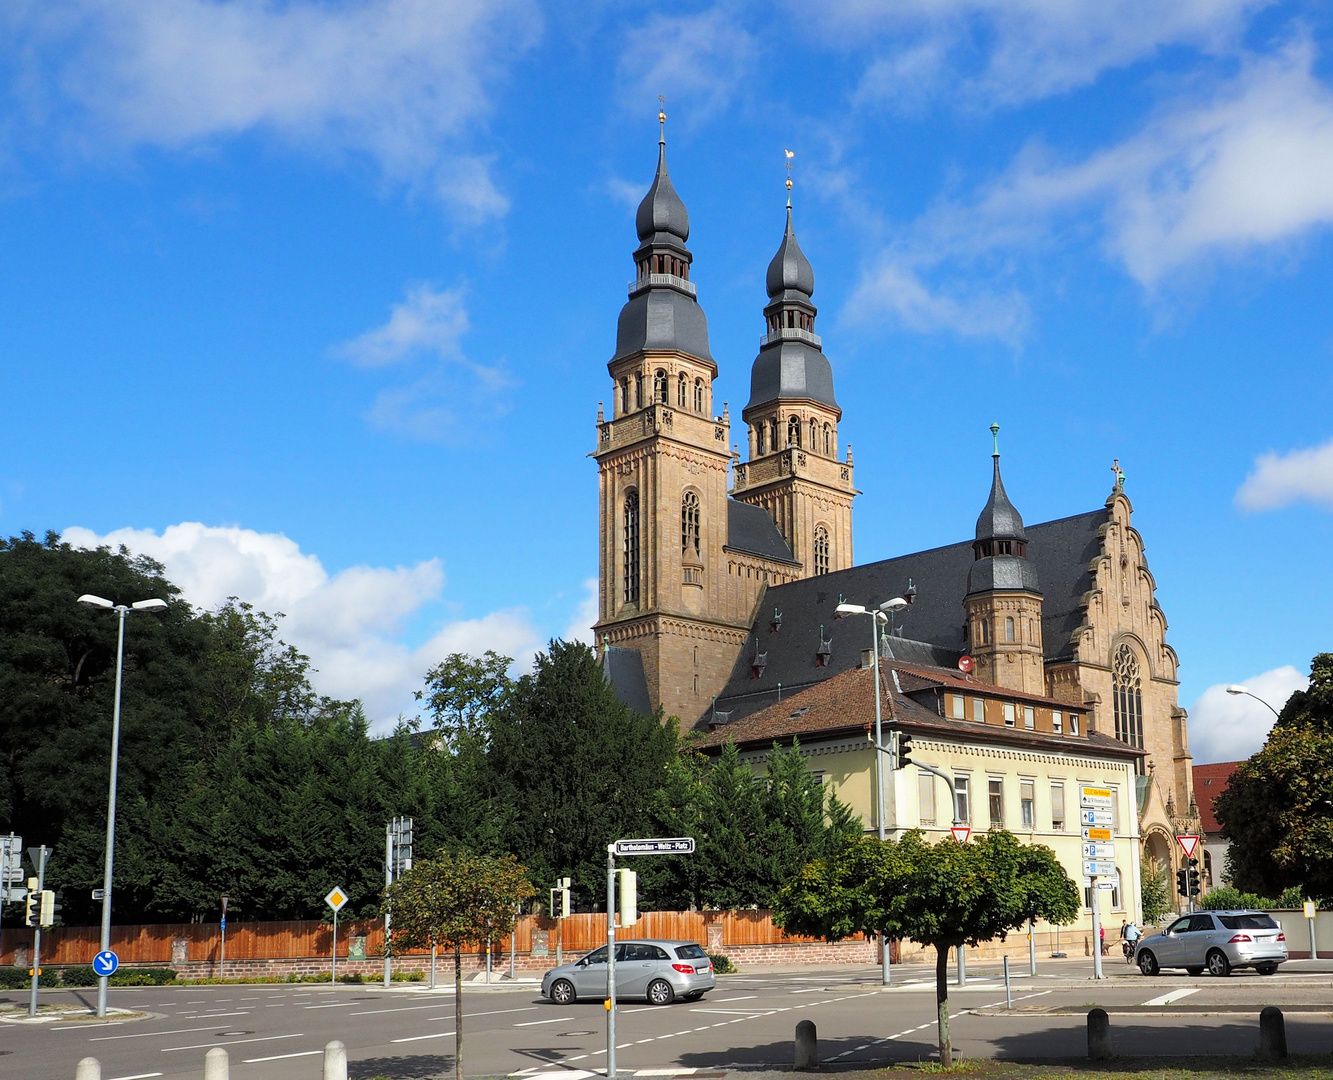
[945, 894]
[455, 899]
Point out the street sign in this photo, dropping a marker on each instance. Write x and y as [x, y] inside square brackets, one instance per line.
[676, 845]
[1097, 798]
[1099, 851]
[105, 963]
[99, 894]
[1098, 869]
[13, 895]
[1096, 817]
[961, 832]
[1097, 836]
[1188, 844]
[336, 899]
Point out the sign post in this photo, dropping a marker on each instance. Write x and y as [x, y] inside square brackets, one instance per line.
[1309, 912]
[1097, 815]
[11, 867]
[675, 845]
[336, 899]
[222, 946]
[38, 855]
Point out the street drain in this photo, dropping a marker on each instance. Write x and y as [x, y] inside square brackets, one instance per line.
[221, 1033]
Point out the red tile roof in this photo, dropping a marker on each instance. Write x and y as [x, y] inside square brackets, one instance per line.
[1209, 782]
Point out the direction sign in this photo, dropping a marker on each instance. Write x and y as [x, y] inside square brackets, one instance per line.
[1099, 851]
[336, 899]
[1188, 844]
[961, 832]
[1097, 836]
[1096, 817]
[1098, 869]
[1098, 798]
[105, 963]
[674, 845]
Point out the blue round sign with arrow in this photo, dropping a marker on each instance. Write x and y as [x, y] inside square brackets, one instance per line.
[105, 963]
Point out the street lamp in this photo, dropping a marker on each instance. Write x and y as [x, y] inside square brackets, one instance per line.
[880, 615]
[121, 611]
[1236, 691]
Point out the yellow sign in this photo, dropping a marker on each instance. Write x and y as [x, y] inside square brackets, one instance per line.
[1102, 792]
[1102, 835]
[336, 899]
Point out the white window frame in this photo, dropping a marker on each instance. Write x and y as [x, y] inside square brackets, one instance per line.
[1010, 714]
[1057, 721]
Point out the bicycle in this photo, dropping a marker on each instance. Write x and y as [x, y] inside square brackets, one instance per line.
[1127, 947]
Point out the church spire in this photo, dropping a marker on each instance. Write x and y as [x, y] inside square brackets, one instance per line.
[1000, 548]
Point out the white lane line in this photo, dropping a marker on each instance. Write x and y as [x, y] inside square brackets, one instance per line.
[151, 1034]
[743, 997]
[231, 1042]
[335, 1005]
[214, 1016]
[278, 1057]
[1173, 996]
[136, 1076]
[418, 1038]
[807, 990]
[80, 1027]
[553, 1020]
[727, 1012]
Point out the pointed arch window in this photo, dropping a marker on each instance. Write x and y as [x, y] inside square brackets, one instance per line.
[773, 435]
[682, 390]
[631, 553]
[1008, 628]
[821, 550]
[624, 395]
[828, 441]
[759, 440]
[814, 435]
[698, 395]
[689, 525]
[793, 432]
[660, 387]
[638, 391]
[1127, 695]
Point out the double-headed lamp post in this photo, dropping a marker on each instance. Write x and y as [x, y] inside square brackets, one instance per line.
[880, 614]
[121, 611]
[1237, 691]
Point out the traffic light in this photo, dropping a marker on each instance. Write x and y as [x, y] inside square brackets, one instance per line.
[32, 908]
[1192, 878]
[904, 751]
[629, 897]
[1182, 882]
[51, 907]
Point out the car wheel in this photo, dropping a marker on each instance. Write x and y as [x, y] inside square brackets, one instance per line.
[1218, 964]
[660, 992]
[1148, 963]
[562, 992]
[1194, 971]
[1265, 969]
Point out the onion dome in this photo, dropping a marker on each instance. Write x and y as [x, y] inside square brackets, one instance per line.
[1000, 560]
[790, 271]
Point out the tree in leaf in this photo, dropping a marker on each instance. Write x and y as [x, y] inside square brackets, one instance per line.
[1154, 892]
[1277, 809]
[463, 693]
[945, 894]
[453, 900]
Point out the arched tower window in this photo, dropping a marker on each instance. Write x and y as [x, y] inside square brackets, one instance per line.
[698, 395]
[814, 435]
[828, 441]
[689, 524]
[638, 391]
[759, 439]
[624, 395]
[1008, 628]
[660, 387]
[773, 434]
[631, 559]
[821, 550]
[793, 432]
[1127, 694]
[682, 391]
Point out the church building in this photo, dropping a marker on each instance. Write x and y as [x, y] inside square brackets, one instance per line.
[719, 576]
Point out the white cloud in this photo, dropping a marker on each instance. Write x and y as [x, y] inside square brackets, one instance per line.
[1279, 480]
[580, 626]
[1223, 727]
[894, 286]
[405, 82]
[700, 59]
[428, 320]
[350, 623]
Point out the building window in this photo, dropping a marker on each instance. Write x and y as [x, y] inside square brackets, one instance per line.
[793, 432]
[962, 795]
[631, 554]
[624, 395]
[1207, 869]
[1073, 723]
[979, 710]
[985, 631]
[759, 440]
[1032, 632]
[698, 395]
[638, 391]
[773, 434]
[1116, 893]
[682, 390]
[995, 790]
[925, 797]
[1127, 693]
[959, 706]
[1029, 717]
[1027, 801]
[660, 387]
[689, 524]
[1057, 805]
[821, 550]
[1057, 721]
[1008, 628]
[814, 435]
[828, 441]
[1009, 714]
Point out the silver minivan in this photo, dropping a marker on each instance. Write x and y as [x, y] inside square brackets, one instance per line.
[1216, 940]
[660, 971]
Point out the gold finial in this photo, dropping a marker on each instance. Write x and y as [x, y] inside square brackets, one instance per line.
[661, 118]
[790, 154]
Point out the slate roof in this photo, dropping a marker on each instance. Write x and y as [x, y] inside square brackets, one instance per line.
[1209, 782]
[751, 530]
[624, 671]
[790, 270]
[662, 220]
[790, 370]
[662, 318]
[1061, 551]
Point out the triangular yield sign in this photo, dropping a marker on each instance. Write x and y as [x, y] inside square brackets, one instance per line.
[1188, 844]
[961, 832]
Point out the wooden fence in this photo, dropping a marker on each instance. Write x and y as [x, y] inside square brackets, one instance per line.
[165, 943]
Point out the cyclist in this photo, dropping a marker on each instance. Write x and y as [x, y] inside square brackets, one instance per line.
[1131, 934]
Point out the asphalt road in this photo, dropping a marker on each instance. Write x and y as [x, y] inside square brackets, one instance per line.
[277, 1032]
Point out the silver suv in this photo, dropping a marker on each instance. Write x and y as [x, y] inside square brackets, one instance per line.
[1216, 940]
[660, 971]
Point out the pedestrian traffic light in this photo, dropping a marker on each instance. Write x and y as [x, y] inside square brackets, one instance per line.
[904, 751]
[1182, 882]
[32, 908]
[51, 907]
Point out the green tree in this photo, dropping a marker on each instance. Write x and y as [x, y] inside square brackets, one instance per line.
[1154, 892]
[1277, 810]
[465, 693]
[946, 895]
[455, 899]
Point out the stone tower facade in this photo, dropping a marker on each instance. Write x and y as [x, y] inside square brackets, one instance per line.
[792, 417]
[1003, 601]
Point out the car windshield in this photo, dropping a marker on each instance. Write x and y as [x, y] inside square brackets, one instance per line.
[597, 956]
[1255, 921]
[691, 952]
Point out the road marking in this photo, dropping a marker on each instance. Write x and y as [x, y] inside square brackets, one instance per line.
[336, 1005]
[728, 1012]
[276, 1057]
[136, 1076]
[553, 1020]
[230, 1042]
[1173, 996]
[151, 1034]
[215, 1016]
[418, 1038]
[745, 997]
[80, 1027]
[807, 990]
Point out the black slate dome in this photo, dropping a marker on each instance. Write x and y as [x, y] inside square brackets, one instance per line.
[790, 270]
[1000, 550]
[1000, 519]
[662, 219]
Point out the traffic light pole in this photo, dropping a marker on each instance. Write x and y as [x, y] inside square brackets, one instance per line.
[43, 853]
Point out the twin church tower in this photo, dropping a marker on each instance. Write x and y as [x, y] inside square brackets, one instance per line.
[688, 533]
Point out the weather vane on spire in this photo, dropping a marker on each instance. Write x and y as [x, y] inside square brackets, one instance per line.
[995, 435]
[790, 154]
[661, 116]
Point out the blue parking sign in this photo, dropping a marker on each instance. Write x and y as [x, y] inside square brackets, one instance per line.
[105, 963]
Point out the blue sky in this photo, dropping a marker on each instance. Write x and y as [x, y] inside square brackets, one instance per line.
[313, 301]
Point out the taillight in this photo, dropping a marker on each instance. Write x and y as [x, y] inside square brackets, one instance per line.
[1281, 937]
[1240, 937]
[684, 967]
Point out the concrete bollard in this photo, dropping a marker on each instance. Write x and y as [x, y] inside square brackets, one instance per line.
[1272, 1034]
[335, 1061]
[807, 1047]
[88, 1068]
[215, 1064]
[1099, 1035]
